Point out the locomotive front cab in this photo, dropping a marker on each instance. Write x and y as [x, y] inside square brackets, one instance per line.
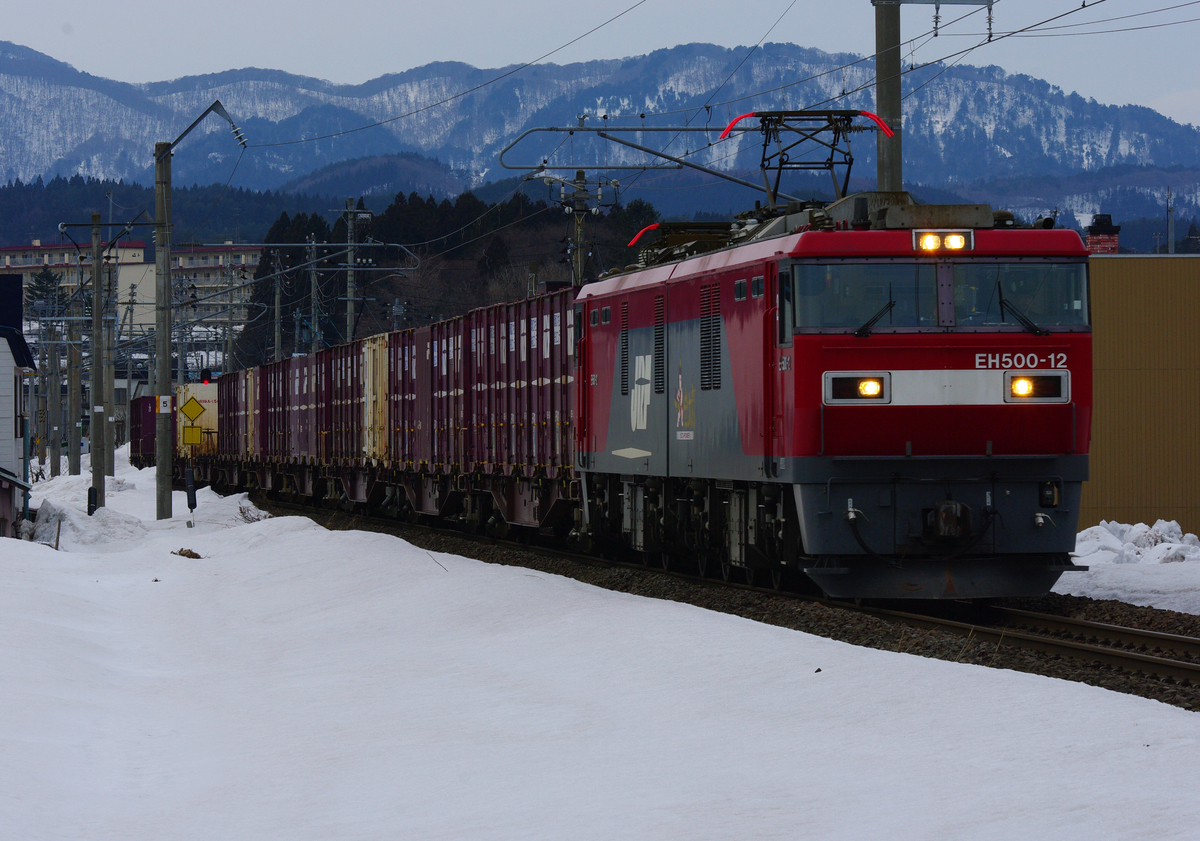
[940, 408]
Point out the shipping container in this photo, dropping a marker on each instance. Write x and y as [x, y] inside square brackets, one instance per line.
[1145, 452]
[195, 420]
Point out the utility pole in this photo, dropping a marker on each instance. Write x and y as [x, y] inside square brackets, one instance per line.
[273, 268]
[54, 409]
[110, 370]
[351, 236]
[227, 360]
[162, 329]
[315, 339]
[41, 418]
[890, 164]
[162, 307]
[580, 209]
[1170, 224]
[96, 430]
[890, 173]
[74, 375]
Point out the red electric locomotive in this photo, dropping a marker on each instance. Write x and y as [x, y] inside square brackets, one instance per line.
[893, 399]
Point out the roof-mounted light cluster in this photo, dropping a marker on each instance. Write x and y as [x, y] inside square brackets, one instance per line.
[938, 241]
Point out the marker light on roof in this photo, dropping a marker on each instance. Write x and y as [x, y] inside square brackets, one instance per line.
[929, 241]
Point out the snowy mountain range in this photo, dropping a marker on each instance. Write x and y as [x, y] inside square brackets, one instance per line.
[963, 125]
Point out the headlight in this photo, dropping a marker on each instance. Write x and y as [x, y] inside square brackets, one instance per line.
[856, 387]
[943, 240]
[870, 388]
[1021, 387]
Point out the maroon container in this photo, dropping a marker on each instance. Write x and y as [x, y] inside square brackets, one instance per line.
[230, 423]
[346, 410]
[142, 427]
[403, 399]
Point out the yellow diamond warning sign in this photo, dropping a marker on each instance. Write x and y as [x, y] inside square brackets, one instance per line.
[192, 409]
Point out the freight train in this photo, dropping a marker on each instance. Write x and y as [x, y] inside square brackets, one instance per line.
[879, 398]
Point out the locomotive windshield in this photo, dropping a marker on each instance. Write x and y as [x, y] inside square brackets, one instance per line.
[864, 297]
[851, 294]
[1045, 294]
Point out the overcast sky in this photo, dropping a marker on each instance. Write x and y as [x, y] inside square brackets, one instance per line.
[142, 41]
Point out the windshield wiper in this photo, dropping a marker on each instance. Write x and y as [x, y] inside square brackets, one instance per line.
[1026, 322]
[865, 330]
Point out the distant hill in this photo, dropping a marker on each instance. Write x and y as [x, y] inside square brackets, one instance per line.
[971, 131]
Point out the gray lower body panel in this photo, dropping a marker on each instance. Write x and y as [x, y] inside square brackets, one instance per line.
[992, 576]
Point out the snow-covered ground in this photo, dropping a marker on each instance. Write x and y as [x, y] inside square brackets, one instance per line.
[295, 683]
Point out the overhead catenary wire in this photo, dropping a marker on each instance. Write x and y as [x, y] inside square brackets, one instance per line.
[1112, 20]
[460, 94]
[958, 55]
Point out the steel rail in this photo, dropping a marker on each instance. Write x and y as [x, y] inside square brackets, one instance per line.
[1116, 634]
[1163, 667]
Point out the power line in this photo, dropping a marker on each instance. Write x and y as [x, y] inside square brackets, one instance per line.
[1108, 31]
[958, 55]
[1111, 20]
[458, 95]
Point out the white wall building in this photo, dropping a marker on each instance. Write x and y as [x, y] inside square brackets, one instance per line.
[15, 359]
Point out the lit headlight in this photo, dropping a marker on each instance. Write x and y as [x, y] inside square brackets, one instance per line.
[870, 388]
[857, 387]
[1020, 387]
[928, 241]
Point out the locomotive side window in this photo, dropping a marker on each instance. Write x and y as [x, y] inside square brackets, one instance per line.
[595, 317]
[739, 290]
[787, 307]
[605, 315]
[756, 287]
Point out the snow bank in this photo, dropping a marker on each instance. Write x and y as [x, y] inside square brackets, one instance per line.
[1155, 565]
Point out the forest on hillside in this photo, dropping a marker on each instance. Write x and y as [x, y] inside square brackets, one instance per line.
[32, 211]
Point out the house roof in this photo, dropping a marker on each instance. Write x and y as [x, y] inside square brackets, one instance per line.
[14, 479]
[22, 355]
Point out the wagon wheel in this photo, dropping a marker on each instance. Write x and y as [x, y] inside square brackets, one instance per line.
[726, 571]
[776, 578]
[664, 561]
[701, 564]
[750, 576]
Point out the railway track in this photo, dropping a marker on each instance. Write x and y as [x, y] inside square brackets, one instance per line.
[1155, 656]
[1166, 656]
